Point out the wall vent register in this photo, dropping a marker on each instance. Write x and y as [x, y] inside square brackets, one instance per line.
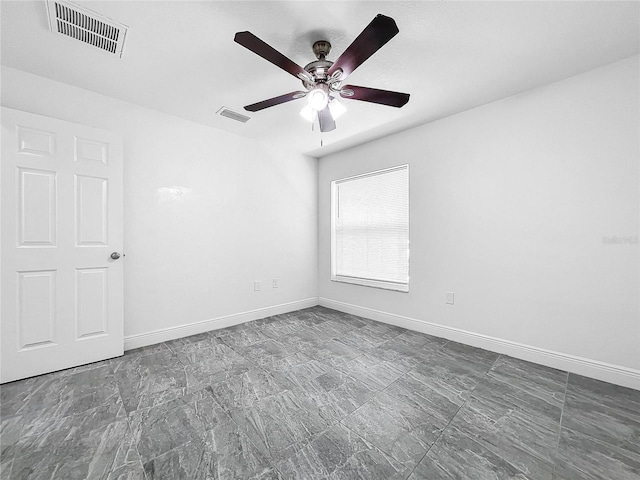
[227, 112]
[86, 26]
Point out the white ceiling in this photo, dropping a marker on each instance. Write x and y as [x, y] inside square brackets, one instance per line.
[180, 57]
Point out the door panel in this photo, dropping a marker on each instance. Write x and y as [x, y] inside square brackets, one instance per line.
[36, 207]
[37, 142]
[92, 210]
[36, 309]
[92, 298]
[61, 294]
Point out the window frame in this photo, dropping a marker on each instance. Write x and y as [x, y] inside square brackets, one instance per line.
[368, 282]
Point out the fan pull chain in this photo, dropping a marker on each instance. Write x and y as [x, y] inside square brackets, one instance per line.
[313, 129]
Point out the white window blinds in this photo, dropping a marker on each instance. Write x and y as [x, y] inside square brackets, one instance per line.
[370, 229]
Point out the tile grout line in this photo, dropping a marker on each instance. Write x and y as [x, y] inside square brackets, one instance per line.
[302, 350]
[206, 388]
[454, 416]
[273, 462]
[241, 430]
[339, 421]
[129, 427]
[366, 402]
[383, 388]
[382, 391]
[289, 354]
[372, 396]
[175, 353]
[564, 402]
[397, 379]
[135, 444]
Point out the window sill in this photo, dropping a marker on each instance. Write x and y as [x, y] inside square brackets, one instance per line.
[365, 282]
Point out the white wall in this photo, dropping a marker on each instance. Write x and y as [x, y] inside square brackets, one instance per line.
[509, 204]
[206, 213]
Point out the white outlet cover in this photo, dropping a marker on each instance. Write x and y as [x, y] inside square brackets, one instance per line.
[449, 298]
[256, 286]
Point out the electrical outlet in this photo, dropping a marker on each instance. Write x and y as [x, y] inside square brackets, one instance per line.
[275, 283]
[449, 298]
[256, 286]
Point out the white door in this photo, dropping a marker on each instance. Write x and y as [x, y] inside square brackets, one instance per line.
[61, 293]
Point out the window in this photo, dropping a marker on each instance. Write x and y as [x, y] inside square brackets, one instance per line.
[370, 229]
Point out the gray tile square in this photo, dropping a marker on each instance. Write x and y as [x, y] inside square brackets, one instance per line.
[41, 404]
[303, 338]
[581, 457]
[526, 441]
[333, 352]
[373, 371]
[145, 381]
[511, 394]
[363, 338]
[399, 352]
[341, 454]
[334, 394]
[426, 393]
[222, 453]
[603, 411]
[209, 366]
[281, 425]
[159, 429]
[299, 368]
[174, 345]
[458, 456]
[244, 337]
[402, 431]
[473, 358]
[246, 389]
[422, 340]
[69, 452]
[263, 353]
[543, 382]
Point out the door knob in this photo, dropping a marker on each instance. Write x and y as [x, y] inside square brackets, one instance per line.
[115, 255]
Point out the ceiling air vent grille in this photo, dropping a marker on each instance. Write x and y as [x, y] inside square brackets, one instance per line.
[225, 112]
[86, 26]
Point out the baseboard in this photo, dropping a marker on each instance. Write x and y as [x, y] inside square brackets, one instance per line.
[180, 331]
[627, 377]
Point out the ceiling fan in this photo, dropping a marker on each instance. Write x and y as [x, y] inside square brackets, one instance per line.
[323, 79]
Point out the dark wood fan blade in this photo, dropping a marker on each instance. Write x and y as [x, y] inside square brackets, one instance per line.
[373, 37]
[326, 120]
[287, 97]
[266, 51]
[374, 95]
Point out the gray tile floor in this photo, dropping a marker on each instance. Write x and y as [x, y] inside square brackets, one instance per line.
[317, 394]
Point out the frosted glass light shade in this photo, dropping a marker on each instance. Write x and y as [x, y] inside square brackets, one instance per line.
[307, 113]
[336, 108]
[318, 98]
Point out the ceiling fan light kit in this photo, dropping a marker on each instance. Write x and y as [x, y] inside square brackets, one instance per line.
[308, 113]
[323, 79]
[318, 97]
[336, 108]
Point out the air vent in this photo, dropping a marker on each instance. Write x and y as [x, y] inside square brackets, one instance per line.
[86, 26]
[225, 112]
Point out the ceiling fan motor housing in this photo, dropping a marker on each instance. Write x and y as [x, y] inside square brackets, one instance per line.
[318, 68]
[321, 49]
[318, 71]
